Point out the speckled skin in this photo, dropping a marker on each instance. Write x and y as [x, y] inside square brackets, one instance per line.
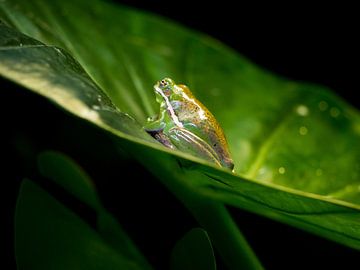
[186, 124]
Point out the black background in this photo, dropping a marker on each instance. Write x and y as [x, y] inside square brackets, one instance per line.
[301, 42]
[306, 42]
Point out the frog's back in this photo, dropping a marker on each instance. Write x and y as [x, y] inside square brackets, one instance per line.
[199, 120]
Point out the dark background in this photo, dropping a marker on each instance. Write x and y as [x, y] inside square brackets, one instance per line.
[301, 42]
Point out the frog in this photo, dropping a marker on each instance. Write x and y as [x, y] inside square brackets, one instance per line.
[185, 124]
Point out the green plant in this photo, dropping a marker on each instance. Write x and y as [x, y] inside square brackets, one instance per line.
[284, 167]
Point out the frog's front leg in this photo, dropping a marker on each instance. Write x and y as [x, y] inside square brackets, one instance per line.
[188, 142]
[155, 127]
[156, 123]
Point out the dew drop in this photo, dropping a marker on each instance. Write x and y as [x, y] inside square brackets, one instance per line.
[302, 110]
[323, 105]
[20, 44]
[262, 171]
[303, 130]
[95, 107]
[282, 170]
[334, 112]
[265, 174]
[58, 50]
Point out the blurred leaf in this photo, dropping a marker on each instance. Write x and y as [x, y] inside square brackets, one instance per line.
[50, 236]
[295, 145]
[70, 176]
[193, 251]
[66, 173]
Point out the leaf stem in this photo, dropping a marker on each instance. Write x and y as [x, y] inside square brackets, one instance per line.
[211, 215]
[223, 231]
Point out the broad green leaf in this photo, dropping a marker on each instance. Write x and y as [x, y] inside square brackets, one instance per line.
[295, 145]
[40, 68]
[50, 236]
[67, 174]
[193, 251]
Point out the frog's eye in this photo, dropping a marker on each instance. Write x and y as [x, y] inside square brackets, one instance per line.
[164, 83]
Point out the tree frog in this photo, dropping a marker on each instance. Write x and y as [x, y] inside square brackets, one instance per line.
[184, 123]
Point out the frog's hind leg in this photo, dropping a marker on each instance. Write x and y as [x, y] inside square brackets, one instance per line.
[156, 130]
[188, 142]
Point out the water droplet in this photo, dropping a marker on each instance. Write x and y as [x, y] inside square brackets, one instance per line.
[262, 171]
[95, 107]
[99, 98]
[323, 105]
[302, 110]
[303, 130]
[20, 44]
[58, 50]
[282, 170]
[319, 172]
[334, 112]
[265, 174]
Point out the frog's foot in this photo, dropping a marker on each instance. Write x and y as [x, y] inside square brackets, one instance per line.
[163, 139]
[152, 118]
[156, 130]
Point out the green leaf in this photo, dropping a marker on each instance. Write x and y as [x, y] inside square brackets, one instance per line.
[42, 68]
[66, 173]
[193, 251]
[295, 145]
[50, 236]
[70, 176]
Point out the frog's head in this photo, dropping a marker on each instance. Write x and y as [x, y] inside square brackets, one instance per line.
[164, 89]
